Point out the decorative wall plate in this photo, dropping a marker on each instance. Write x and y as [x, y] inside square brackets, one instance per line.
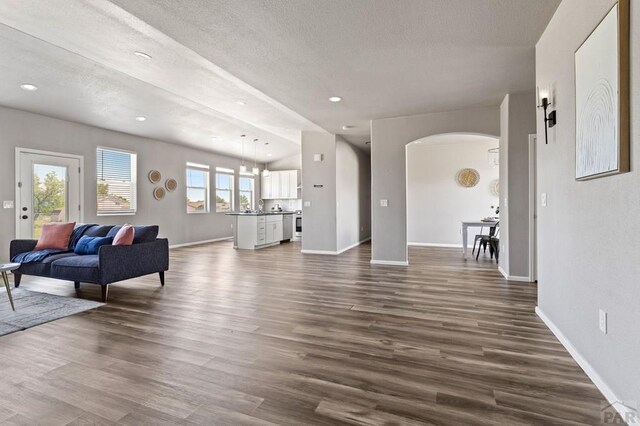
[468, 178]
[495, 187]
[171, 184]
[159, 193]
[154, 176]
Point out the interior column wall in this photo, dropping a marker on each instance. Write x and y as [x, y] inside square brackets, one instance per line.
[518, 121]
[388, 170]
[319, 228]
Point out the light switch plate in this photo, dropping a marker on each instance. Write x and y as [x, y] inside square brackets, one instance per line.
[307, 203]
[317, 157]
[603, 321]
[7, 204]
[543, 199]
[384, 203]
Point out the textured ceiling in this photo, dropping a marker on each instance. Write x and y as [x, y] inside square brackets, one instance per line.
[283, 58]
[386, 58]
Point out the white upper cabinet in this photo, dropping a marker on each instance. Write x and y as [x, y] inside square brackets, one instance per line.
[280, 185]
[266, 187]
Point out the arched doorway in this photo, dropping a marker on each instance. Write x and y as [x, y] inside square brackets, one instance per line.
[437, 203]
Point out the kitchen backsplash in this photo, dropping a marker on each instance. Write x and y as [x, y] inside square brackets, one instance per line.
[287, 205]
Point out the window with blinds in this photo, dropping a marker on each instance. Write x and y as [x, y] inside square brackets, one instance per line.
[224, 189]
[116, 172]
[197, 188]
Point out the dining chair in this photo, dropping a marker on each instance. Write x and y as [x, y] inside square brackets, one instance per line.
[492, 240]
[492, 231]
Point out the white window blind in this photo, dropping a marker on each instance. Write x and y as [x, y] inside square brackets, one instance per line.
[116, 173]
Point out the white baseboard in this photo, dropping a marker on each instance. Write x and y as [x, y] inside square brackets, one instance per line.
[624, 411]
[514, 277]
[436, 245]
[196, 243]
[353, 245]
[334, 253]
[389, 262]
[326, 252]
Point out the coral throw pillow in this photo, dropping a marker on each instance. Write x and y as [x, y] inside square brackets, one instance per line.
[124, 237]
[55, 236]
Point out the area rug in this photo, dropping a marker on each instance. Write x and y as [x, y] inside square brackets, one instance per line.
[33, 308]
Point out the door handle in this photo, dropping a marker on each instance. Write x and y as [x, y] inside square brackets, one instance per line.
[24, 216]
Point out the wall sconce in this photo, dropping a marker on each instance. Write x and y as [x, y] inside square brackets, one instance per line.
[549, 119]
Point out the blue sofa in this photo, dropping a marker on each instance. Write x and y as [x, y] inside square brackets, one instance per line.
[147, 255]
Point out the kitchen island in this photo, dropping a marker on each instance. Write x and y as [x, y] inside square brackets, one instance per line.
[258, 230]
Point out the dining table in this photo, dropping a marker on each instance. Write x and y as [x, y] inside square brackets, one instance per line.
[474, 224]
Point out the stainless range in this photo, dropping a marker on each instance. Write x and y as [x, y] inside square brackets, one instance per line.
[297, 225]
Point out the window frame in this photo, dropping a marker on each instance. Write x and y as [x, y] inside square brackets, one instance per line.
[134, 183]
[207, 188]
[232, 174]
[252, 199]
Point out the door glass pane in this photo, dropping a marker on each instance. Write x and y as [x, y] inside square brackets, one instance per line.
[49, 196]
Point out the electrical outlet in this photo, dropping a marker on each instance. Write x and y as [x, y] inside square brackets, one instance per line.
[543, 199]
[384, 203]
[307, 203]
[603, 321]
[7, 204]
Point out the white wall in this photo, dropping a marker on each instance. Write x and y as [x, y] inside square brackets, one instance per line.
[27, 130]
[388, 169]
[436, 204]
[353, 195]
[588, 245]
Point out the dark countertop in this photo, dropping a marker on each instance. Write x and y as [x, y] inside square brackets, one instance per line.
[258, 214]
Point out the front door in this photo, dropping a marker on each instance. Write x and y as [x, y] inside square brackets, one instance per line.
[48, 191]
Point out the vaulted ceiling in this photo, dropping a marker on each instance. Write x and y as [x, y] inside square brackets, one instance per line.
[281, 59]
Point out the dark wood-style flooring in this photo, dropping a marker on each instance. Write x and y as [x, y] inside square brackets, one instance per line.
[277, 337]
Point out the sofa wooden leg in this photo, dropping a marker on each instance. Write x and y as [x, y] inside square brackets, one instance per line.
[16, 279]
[105, 291]
[76, 284]
[161, 273]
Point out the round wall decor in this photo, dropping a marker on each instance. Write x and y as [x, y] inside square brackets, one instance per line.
[495, 187]
[468, 178]
[154, 176]
[171, 185]
[159, 193]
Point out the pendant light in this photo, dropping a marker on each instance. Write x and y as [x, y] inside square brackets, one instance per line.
[265, 172]
[256, 170]
[243, 168]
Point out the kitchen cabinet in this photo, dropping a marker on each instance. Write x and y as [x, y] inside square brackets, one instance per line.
[256, 231]
[280, 185]
[287, 227]
[274, 229]
[266, 186]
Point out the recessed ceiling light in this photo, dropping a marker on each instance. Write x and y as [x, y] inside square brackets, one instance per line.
[141, 118]
[335, 99]
[28, 87]
[142, 55]
[242, 103]
[348, 127]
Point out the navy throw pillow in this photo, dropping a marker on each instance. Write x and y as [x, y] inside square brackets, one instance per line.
[90, 245]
